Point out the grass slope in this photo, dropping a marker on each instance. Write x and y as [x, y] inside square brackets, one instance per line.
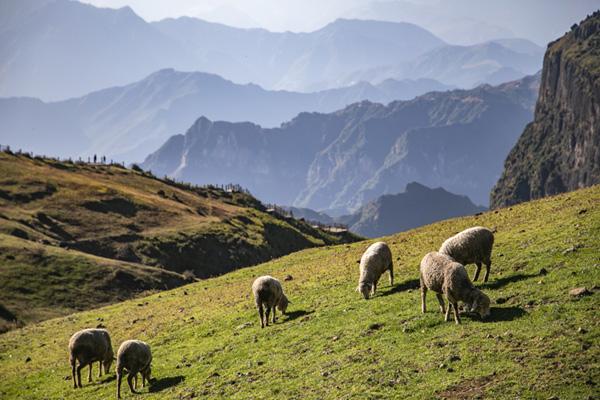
[75, 236]
[207, 342]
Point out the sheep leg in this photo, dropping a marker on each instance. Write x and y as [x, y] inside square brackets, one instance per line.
[119, 378]
[90, 372]
[79, 368]
[391, 270]
[130, 377]
[267, 314]
[447, 317]
[261, 315]
[135, 381]
[73, 367]
[477, 271]
[100, 369]
[488, 265]
[423, 296]
[455, 308]
[273, 314]
[441, 301]
[373, 288]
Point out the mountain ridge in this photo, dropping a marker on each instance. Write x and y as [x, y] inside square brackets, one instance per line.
[342, 159]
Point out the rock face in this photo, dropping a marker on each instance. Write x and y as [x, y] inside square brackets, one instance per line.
[417, 206]
[341, 160]
[560, 150]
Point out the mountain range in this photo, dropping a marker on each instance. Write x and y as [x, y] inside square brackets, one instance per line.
[339, 161]
[129, 122]
[44, 44]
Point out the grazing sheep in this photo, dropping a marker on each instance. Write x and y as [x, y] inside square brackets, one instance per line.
[374, 262]
[442, 274]
[268, 292]
[86, 347]
[473, 245]
[134, 356]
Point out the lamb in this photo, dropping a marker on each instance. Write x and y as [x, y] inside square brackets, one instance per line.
[473, 245]
[268, 292]
[442, 274]
[86, 347]
[374, 262]
[134, 356]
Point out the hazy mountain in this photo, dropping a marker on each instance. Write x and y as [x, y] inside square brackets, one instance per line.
[131, 121]
[310, 215]
[297, 61]
[341, 160]
[560, 150]
[492, 62]
[59, 49]
[418, 205]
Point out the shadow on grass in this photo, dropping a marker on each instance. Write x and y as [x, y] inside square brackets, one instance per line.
[505, 281]
[106, 379]
[499, 314]
[159, 385]
[402, 287]
[292, 315]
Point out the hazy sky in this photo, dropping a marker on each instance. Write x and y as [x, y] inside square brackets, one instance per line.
[457, 21]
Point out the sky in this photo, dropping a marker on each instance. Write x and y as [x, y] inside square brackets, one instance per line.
[456, 21]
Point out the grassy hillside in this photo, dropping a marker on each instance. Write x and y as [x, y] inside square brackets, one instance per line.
[539, 342]
[73, 236]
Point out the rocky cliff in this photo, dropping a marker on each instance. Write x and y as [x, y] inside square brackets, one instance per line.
[560, 150]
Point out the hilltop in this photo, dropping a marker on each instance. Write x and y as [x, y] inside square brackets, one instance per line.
[76, 235]
[540, 341]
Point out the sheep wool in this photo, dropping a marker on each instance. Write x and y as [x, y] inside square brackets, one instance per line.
[86, 347]
[135, 357]
[268, 292]
[374, 262]
[471, 246]
[445, 276]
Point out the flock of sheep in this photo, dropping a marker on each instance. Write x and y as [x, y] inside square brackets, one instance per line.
[442, 272]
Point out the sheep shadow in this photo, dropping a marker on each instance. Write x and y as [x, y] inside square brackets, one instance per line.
[108, 378]
[500, 314]
[404, 286]
[292, 315]
[159, 385]
[497, 284]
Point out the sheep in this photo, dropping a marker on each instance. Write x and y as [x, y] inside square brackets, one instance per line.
[134, 356]
[374, 262]
[473, 245]
[268, 292]
[88, 346]
[443, 275]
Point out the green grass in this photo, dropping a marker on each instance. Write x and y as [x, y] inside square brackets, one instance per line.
[104, 233]
[207, 342]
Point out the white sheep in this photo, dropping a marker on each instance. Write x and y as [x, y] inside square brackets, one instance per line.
[133, 356]
[473, 245]
[86, 347]
[268, 292]
[374, 262]
[443, 275]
